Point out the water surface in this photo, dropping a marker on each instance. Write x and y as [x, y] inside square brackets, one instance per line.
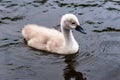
[99, 54]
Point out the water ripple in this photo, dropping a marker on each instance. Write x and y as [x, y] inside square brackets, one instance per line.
[99, 48]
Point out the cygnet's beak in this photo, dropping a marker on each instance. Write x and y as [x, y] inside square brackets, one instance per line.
[80, 29]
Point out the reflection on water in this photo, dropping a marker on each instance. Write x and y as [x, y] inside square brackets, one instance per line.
[40, 1]
[108, 29]
[12, 19]
[73, 4]
[69, 71]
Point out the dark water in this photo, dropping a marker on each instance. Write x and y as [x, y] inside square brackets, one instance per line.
[99, 54]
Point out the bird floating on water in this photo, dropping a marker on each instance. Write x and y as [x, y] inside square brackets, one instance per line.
[51, 40]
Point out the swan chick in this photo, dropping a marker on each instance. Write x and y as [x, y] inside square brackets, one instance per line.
[51, 40]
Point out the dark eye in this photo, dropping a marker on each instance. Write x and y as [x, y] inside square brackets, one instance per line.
[73, 23]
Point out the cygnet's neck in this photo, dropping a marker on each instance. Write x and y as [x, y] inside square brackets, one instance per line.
[70, 42]
[68, 36]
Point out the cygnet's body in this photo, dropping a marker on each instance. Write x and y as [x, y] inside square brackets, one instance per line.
[52, 40]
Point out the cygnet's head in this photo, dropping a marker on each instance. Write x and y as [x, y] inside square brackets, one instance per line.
[70, 21]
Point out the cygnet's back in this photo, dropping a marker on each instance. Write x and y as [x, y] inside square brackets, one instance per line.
[43, 38]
